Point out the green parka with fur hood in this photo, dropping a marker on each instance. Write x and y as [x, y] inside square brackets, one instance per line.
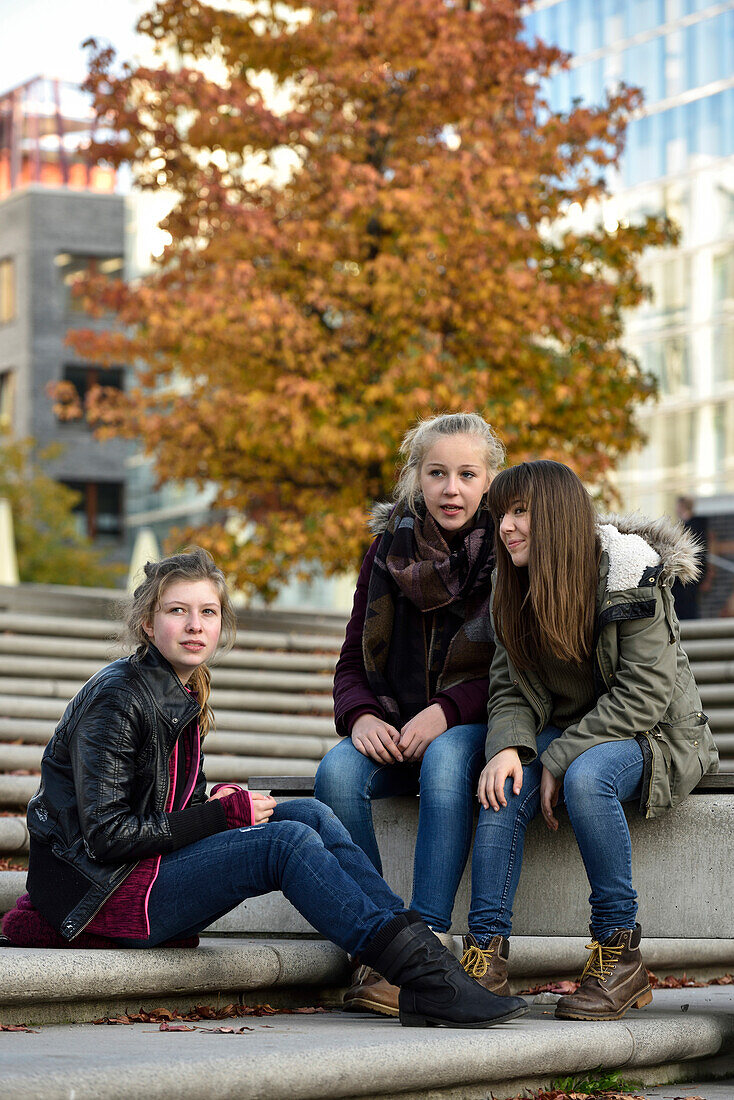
[644, 685]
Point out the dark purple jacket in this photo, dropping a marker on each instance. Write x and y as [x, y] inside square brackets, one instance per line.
[461, 704]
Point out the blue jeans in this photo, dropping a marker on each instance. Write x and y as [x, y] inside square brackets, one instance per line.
[594, 788]
[303, 850]
[447, 776]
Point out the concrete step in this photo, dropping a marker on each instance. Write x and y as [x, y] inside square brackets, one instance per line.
[37, 707]
[710, 648]
[17, 720]
[218, 748]
[13, 837]
[104, 629]
[65, 601]
[713, 672]
[239, 679]
[45, 985]
[45, 978]
[706, 628]
[717, 695]
[101, 652]
[17, 687]
[16, 791]
[345, 1055]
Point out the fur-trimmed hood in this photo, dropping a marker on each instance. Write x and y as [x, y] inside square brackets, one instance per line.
[379, 515]
[635, 543]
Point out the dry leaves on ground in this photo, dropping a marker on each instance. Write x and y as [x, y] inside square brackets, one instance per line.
[201, 1012]
[9, 864]
[551, 987]
[165, 1026]
[687, 983]
[670, 982]
[17, 1027]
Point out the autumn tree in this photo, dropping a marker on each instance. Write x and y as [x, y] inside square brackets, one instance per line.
[49, 546]
[367, 229]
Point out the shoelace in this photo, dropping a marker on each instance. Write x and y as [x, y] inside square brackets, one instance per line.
[602, 960]
[476, 960]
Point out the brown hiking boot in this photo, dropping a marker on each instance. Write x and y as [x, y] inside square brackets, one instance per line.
[371, 993]
[614, 980]
[488, 965]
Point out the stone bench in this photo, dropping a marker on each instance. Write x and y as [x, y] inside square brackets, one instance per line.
[684, 870]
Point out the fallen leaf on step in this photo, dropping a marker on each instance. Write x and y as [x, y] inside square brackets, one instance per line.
[551, 987]
[17, 1027]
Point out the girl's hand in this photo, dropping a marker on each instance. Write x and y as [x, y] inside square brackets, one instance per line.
[376, 739]
[262, 807]
[491, 788]
[417, 734]
[223, 792]
[550, 790]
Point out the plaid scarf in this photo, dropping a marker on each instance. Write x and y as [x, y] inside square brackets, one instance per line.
[427, 623]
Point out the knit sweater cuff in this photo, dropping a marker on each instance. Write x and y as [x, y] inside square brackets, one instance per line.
[196, 822]
[237, 809]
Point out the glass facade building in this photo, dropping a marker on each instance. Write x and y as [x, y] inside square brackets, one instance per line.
[679, 158]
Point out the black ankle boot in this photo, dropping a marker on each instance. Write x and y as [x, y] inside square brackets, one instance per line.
[435, 990]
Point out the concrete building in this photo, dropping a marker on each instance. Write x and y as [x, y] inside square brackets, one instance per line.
[679, 158]
[58, 215]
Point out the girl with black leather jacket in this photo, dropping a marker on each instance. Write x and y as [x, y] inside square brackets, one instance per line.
[128, 850]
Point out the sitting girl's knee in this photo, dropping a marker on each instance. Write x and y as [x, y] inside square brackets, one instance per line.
[581, 781]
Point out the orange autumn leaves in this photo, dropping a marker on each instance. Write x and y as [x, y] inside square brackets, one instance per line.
[372, 245]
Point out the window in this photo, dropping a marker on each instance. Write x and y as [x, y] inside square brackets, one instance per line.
[723, 272]
[7, 291]
[7, 400]
[724, 353]
[71, 266]
[84, 378]
[99, 510]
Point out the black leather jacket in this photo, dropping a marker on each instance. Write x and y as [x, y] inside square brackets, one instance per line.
[100, 807]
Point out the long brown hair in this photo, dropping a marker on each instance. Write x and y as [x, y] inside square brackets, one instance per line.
[548, 608]
[192, 564]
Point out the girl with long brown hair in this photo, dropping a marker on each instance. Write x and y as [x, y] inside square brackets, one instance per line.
[127, 849]
[592, 701]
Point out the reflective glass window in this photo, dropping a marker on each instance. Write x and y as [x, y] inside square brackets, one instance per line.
[72, 265]
[643, 15]
[644, 65]
[7, 290]
[723, 270]
[99, 510]
[679, 438]
[723, 352]
[7, 400]
[566, 22]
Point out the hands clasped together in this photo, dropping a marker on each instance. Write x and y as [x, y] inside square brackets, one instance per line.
[383, 743]
[506, 764]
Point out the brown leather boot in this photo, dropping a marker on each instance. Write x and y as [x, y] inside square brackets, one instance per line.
[614, 980]
[371, 993]
[488, 965]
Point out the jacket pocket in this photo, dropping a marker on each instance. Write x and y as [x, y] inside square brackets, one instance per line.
[688, 741]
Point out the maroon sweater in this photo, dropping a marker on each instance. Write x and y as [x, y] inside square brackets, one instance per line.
[461, 704]
[125, 913]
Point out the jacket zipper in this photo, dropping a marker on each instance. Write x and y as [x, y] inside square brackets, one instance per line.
[531, 693]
